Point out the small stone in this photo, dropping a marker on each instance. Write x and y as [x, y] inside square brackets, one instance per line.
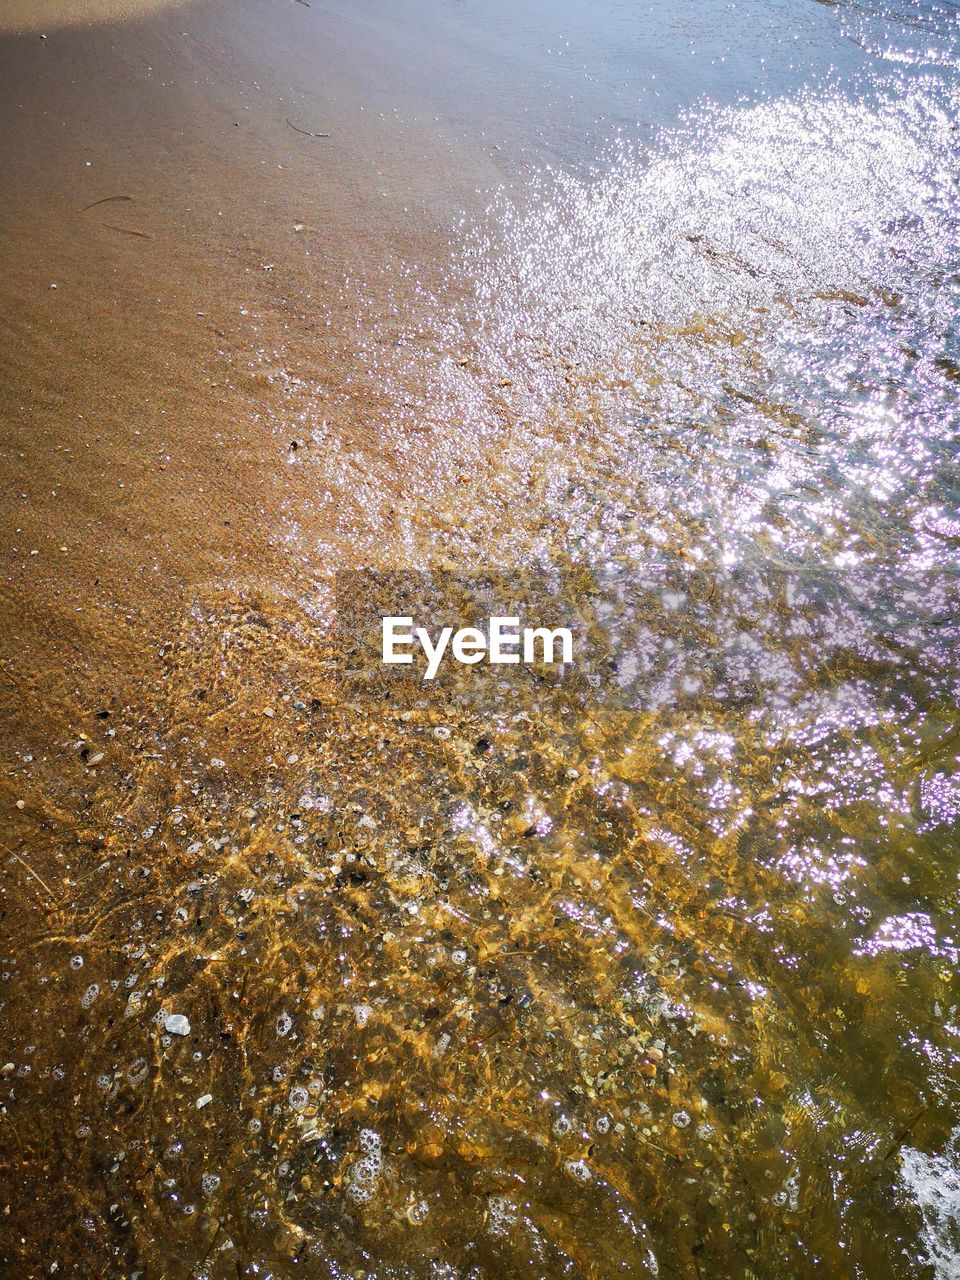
[290, 1239]
[21, 804]
[177, 1024]
[204, 1100]
[8, 1069]
[268, 712]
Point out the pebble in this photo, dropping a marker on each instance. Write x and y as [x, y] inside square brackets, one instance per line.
[203, 1100]
[177, 1025]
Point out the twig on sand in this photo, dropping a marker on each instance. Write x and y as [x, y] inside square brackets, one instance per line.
[306, 132]
[898, 1141]
[39, 879]
[128, 231]
[905, 1132]
[104, 200]
[197, 1267]
[14, 1128]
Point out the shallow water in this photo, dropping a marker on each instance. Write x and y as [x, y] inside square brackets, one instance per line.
[647, 969]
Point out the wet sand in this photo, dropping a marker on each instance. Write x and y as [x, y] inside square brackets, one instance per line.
[509, 980]
[175, 253]
[180, 259]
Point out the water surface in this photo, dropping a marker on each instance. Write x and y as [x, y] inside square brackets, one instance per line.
[642, 314]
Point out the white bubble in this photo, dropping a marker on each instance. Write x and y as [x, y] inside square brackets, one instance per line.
[370, 1142]
[362, 1014]
[363, 1180]
[501, 1215]
[418, 1212]
[579, 1170]
[365, 1172]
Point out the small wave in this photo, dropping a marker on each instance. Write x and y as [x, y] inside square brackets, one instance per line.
[933, 1183]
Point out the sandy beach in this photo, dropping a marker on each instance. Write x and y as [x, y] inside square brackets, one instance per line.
[646, 968]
